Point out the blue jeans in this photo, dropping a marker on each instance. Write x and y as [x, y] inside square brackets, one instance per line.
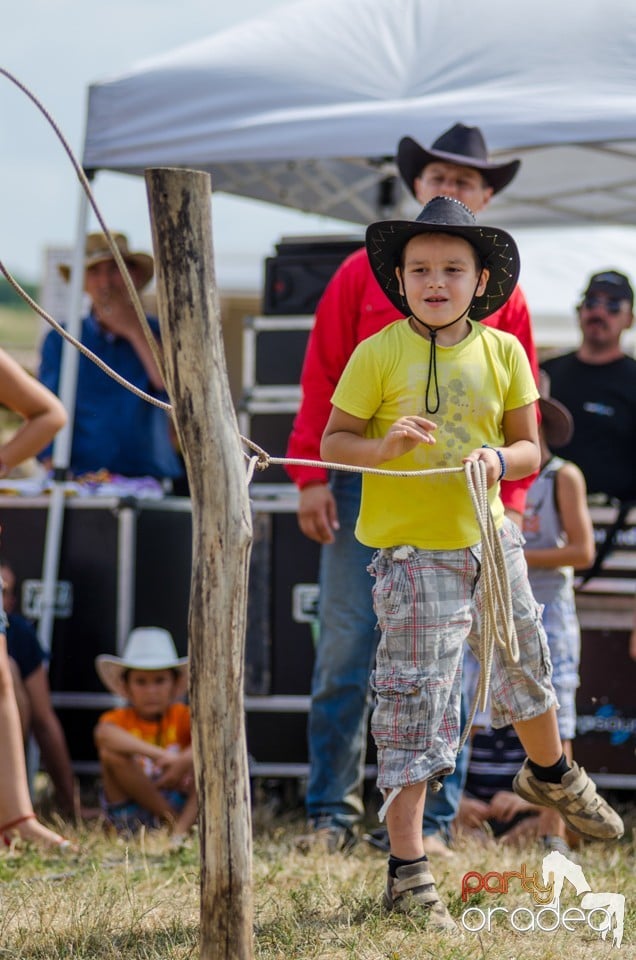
[345, 651]
[340, 693]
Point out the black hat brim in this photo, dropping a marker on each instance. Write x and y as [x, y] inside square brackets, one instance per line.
[386, 239]
[412, 158]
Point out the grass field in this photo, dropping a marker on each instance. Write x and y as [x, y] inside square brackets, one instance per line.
[139, 899]
[20, 335]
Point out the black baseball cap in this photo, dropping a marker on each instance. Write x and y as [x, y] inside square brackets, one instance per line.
[613, 283]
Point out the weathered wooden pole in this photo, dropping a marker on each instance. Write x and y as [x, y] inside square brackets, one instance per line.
[196, 379]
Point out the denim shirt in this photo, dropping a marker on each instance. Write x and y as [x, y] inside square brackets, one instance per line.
[113, 429]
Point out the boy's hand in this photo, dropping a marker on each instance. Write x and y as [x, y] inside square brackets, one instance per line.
[490, 458]
[175, 768]
[473, 812]
[506, 805]
[404, 435]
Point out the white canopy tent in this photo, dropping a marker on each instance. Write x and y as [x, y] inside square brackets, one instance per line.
[304, 108]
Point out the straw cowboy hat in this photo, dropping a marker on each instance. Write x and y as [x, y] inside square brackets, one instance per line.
[556, 420]
[98, 250]
[147, 648]
[462, 145]
[386, 240]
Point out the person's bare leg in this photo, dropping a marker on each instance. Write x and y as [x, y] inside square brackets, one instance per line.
[123, 779]
[21, 699]
[551, 823]
[540, 738]
[404, 822]
[188, 816]
[16, 809]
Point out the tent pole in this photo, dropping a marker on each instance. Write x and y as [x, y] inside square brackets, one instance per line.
[62, 444]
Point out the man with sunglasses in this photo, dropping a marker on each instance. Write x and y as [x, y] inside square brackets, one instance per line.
[597, 383]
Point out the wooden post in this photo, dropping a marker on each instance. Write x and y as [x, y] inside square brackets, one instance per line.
[196, 379]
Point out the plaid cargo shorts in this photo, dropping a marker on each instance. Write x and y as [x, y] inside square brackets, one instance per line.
[428, 603]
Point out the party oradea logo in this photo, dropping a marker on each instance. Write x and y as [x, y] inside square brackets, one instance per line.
[600, 912]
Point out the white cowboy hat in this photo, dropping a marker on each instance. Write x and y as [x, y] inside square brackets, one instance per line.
[147, 648]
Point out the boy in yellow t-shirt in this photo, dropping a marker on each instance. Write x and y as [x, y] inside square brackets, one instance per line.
[443, 271]
[144, 748]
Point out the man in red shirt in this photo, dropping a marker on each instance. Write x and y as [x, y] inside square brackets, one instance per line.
[352, 308]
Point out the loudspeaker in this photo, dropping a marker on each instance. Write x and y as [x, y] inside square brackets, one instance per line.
[296, 277]
[606, 715]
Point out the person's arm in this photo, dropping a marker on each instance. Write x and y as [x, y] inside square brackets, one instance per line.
[42, 412]
[122, 321]
[577, 525]
[331, 342]
[175, 768]
[505, 805]
[472, 812]
[514, 317]
[109, 736]
[521, 451]
[344, 440]
[49, 736]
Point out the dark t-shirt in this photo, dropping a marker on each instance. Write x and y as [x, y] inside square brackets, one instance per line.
[23, 645]
[602, 401]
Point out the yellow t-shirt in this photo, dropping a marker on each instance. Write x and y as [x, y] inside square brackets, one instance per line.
[479, 379]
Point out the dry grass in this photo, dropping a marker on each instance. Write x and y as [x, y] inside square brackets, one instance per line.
[140, 899]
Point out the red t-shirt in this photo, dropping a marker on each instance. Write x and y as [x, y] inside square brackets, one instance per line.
[352, 308]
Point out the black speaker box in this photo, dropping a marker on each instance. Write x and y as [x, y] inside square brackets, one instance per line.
[296, 277]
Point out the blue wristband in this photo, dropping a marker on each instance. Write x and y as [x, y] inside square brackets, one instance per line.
[502, 462]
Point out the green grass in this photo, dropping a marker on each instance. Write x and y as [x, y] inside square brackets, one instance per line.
[139, 899]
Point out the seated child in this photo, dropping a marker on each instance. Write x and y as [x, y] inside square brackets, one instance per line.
[430, 391]
[559, 539]
[144, 748]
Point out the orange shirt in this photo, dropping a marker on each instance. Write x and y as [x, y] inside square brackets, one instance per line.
[171, 732]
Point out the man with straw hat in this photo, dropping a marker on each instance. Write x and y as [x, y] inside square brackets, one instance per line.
[114, 429]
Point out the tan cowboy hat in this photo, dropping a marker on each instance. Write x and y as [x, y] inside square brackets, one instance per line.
[98, 250]
[462, 145]
[147, 648]
[556, 420]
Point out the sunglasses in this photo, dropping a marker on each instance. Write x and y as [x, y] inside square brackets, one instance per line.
[611, 305]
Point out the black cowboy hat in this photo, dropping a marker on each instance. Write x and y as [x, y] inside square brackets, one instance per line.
[386, 239]
[462, 145]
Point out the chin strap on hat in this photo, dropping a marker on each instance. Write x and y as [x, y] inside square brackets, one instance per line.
[432, 360]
